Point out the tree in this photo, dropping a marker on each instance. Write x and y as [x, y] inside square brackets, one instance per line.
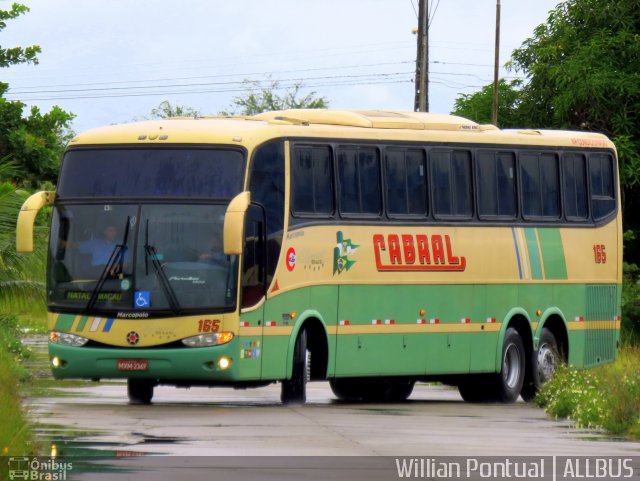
[34, 142]
[477, 106]
[583, 71]
[262, 99]
[16, 55]
[165, 110]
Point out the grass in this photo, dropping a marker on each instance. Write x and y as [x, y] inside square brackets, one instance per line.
[15, 435]
[606, 397]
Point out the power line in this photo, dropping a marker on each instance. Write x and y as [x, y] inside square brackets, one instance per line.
[201, 91]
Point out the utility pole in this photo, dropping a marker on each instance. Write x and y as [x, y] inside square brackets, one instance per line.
[421, 103]
[496, 66]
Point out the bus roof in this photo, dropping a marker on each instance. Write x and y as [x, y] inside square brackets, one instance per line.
[381, 125]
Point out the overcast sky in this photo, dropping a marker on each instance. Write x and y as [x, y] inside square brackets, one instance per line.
[110, 61]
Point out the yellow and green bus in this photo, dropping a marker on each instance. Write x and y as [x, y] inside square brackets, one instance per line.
[372, 249]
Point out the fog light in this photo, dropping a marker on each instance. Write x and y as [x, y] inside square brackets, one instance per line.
[55, 362]
[224, 363]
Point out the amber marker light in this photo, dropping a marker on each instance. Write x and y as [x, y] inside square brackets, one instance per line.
[539, 312]
[294, 315]
[422, 312]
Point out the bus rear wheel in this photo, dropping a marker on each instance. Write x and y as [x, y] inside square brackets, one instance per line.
[294, 390]
[140, 391]
[544, 363]
[504, 386]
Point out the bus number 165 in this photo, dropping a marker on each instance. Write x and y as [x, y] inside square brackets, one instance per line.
[600, 254]
[208, 325]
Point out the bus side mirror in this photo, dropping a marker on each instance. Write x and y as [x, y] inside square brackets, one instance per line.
[233, 233]
[27, 218]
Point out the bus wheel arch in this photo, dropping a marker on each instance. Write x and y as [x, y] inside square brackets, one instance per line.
[317, 344]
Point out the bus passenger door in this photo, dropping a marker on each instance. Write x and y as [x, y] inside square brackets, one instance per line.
[253, 292]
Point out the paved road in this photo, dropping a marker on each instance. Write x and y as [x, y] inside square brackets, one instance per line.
[224, 426]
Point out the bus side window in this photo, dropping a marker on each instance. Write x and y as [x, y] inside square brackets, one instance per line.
[253, 268]
[406, 182]
[540, 185]
[266, 183]
[497, 184]
[451, 183]
[603, 200]
[359, 186]
[575, 187]
[312, 183]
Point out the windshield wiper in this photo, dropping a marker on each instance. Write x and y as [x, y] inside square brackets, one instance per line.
[117, 255]
[150, 252]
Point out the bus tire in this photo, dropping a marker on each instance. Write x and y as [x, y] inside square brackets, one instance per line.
[140, 391]
[511, 377]
[294, 390]
[372, 390]
[476, 388]
[544, 363]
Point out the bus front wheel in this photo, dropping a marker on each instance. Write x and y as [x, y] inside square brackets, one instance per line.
[140, 391]
[294, 390]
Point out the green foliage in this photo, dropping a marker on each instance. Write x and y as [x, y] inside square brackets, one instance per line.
[21, 276]
[478, 106]
[260, 99]
[606, 397]
[15, 435]
[16, 55]
[630, 330]
[34, 141]
[165, 110]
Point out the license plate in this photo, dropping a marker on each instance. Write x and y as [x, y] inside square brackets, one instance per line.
[133, 364]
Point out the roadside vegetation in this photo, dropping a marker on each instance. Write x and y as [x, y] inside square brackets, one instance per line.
[607, 397]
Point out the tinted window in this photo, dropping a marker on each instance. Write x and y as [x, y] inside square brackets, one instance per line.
[166, 172]
[601, 173]
[451, 183]
[406, 182]
[266, 183]
[575, 186]
[359, 175]
[312, 181]
[497, 184]
[540, 185]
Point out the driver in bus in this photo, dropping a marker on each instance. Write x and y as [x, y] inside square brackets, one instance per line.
[100, 250]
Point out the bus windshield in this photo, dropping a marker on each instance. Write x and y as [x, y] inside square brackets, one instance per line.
[140, 257]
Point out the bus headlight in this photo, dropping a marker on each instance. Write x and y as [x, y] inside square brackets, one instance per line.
[205, 340]
[67, 339]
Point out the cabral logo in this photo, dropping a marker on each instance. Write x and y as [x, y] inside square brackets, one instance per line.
[133, 338]
[419, 252]
[341, 252]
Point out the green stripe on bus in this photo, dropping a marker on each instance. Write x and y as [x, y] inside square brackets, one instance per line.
[534, 255]
[82, 323]
[64, 322]
[552, 250]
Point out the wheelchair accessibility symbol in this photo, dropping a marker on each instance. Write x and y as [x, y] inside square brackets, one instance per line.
[141, 299]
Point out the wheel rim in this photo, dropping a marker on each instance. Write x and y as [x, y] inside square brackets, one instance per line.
[547, 363]
[511, 366]
[307, 365]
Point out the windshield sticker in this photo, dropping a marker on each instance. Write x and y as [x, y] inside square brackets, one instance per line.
[341, 252]
[125, 285]
[142, 299]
